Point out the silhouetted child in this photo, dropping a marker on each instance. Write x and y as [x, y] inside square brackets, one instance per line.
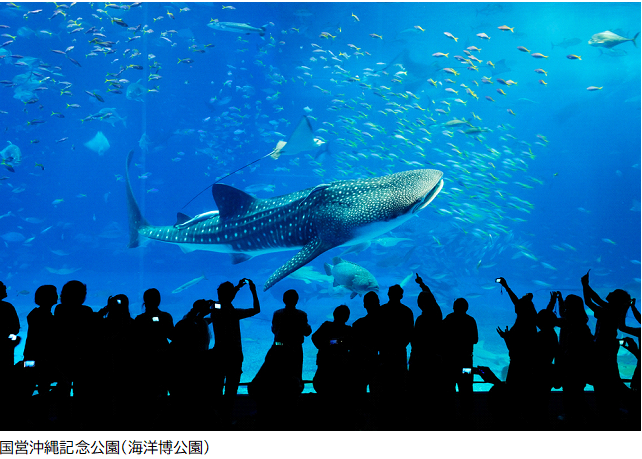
[38, 347]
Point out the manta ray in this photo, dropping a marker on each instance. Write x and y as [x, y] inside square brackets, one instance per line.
[313, 220]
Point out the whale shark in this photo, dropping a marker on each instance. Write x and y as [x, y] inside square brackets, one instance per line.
[313, 220]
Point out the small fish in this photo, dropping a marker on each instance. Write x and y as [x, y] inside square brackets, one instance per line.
[449, 35]
[608, 241]
[505, 27]
[594, 88]
[483, 36]
[189, 284]
[539, 56]
[523, 49]
[543, 82]
[573, 57]
[541, 71]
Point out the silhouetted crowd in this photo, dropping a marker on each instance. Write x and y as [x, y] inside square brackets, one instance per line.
[146, 373]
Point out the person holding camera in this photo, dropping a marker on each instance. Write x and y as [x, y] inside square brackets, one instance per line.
[153, 329]
[227, 353]
[609, 314]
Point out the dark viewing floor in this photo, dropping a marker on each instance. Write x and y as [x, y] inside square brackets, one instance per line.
[309, 412]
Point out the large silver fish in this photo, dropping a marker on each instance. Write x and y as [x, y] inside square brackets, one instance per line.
[314, 220]
[608, 39]
[235, 27]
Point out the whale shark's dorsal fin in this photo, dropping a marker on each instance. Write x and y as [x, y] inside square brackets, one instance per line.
[182, 218]
[231, 201]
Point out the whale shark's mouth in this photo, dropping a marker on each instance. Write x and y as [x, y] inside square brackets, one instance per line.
[429, 197]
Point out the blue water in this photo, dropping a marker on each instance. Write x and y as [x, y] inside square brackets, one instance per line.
[545, 194]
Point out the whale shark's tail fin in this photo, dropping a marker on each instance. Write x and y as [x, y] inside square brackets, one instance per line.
[136, 219]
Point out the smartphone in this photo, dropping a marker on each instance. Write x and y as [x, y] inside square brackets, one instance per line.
[30, 363]
[334, 341]
[217, 305]
[466, 371]
[154, 319]
[498, 280]
[12, 337]
[119, 301]
[621, 342]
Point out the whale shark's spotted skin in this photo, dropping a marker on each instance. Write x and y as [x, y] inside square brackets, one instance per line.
[314, 220]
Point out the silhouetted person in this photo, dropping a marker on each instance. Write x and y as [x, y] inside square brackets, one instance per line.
[631, 346]
[290, 327]
[575, 356]
[278, 382]
[633, 394]
[38, 347]
[460, 330]
[364, 352]
[546, 349]
[634, 331]
[396, 322]
[333, 340]
[117, 348]
[76, 328]
[498, 400]
[153, 329]
[427, 364]
[333, 378]
[520, 341]
[609, 314]
[9, 328]
[9, 339]
[227, 351]
[192, 374]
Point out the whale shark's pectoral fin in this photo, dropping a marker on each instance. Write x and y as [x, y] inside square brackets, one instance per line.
[309, 252]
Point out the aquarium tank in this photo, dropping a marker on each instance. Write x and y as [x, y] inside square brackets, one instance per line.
[531, 111]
